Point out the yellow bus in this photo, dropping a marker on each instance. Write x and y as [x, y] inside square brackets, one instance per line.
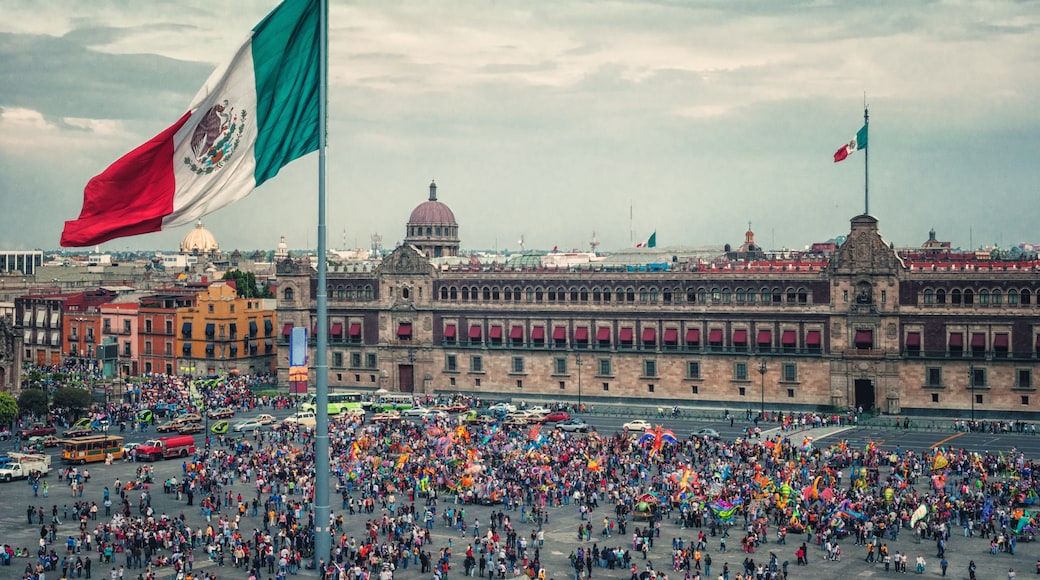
[90, 449]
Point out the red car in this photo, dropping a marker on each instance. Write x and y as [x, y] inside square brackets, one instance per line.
[37, 430]
[557, 416]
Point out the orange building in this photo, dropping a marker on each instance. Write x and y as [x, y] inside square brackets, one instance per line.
[223, 333]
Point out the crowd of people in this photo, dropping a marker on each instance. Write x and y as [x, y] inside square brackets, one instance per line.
[748, 505]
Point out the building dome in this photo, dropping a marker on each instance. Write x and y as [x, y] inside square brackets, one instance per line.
[432, 212]
[199, 241]
[432, 228]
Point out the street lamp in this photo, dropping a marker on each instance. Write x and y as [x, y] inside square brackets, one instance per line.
[578, 363]
[762, 375]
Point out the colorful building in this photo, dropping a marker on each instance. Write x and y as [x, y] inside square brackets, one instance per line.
[223, 333]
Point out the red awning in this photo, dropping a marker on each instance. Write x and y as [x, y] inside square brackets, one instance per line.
[287, 329]
[978, 340]
[913, 339]
[740, 336]
[1000, 341]
[516, 333]
[475, 332]
[603, 334]
[715, 336]
[404, 330]
[812, 338]
[449, 330]
[559, 333]
[581, 334]
[537, 333]
[671, 335]
[355, 329]
[626, 334]
[649, 335]
[865, 338]
[495, 333]
[956, 340]
[789, 338]
[337, 329]
[693, 336]
[765, 336]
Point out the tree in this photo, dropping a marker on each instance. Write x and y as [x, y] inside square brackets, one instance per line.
[245, 285]
[34, 401]
[8, 409]
[73, 399]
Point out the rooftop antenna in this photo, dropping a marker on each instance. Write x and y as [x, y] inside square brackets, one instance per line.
[594, 243]
[521, 242]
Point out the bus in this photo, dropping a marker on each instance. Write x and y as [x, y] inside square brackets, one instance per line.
[338, 403]
[91, 449]
[394, 402]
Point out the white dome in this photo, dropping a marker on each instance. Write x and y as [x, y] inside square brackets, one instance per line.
[200, 241]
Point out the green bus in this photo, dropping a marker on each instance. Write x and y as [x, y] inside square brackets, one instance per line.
[338, 403]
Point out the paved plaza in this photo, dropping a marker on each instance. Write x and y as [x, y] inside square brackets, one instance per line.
[560, 532]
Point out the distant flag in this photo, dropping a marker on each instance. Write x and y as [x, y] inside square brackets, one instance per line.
[651, 242]
[858, 143]
[255, 114]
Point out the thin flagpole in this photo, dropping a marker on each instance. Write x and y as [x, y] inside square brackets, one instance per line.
[866, 165]
[322, 539]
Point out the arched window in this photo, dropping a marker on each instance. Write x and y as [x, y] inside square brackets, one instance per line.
[777, 296]
[495, 293]
[716, 295]
[596, 296]
[444, 292]
[516, 293]
[691, 295]
[644, 295]
[997, 297]
[940, 296]
[984, 297]
[288, 295]
[574, 294]
[530, 294]
[767, 297]
[619, 295]
[538, 293]
[487, 294]
[465, 293]
[550, 295]
[727, 295]
[969, 297]
[454, 293]
[929, 296]
[702, 295]
[741, 295]
[1025, 298]
[350, 292]
[667, 295]
[955, 297]
[473, 293]
[803, 296]
[561, 294]
[369, 294]
[583, 294]
[792, 297]
[1013, 297]
[630, 295]
[653, 295]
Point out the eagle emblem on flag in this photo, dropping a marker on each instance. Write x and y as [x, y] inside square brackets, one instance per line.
[215, 138]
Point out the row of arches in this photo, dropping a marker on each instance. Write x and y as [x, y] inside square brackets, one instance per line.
[984, 297]
[630, 294]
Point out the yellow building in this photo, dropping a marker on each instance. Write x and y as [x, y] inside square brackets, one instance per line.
[223, 333]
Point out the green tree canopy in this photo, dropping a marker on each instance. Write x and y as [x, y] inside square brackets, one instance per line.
[8, 409]
[74, 399]
[34, 401]
[246, 286]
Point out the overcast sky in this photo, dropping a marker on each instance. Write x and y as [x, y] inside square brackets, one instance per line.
[551, 119]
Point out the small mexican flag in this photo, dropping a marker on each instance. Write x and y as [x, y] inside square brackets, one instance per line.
[858, 143]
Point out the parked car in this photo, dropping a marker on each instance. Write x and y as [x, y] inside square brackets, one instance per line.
[222, 413]
[638, 425]
[432, 414]
[265, 419]
[37, 430]
[301, 419]
[502, 408]
[171, 426]
[451, 408]
[247, 425]
[481, 420]
[706, 433]
[415, 412]
[386, 416]
[573, 425]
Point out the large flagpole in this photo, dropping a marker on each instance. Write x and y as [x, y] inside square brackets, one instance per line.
[322, 539]
[866, 165]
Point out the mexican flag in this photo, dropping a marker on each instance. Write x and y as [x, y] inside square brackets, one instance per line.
[650, 242]
[858, 143]
[255, 114]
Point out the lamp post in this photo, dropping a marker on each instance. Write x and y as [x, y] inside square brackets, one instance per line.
[411, 363]
[762, 375]
[578, 363]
